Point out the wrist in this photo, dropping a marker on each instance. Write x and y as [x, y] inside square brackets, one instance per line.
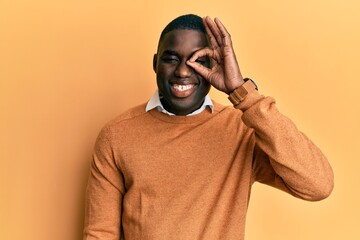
[239, 94]
[235, 86]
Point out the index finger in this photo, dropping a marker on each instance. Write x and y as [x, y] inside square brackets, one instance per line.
[201, 53]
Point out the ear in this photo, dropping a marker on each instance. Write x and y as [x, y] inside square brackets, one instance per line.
[154, 62]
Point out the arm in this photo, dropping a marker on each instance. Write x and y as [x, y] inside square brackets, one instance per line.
[104, 193]
[283, 156]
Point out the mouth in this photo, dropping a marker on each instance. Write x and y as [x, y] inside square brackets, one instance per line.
[182, 90]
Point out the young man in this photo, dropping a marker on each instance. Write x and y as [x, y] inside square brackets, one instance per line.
[181, 166]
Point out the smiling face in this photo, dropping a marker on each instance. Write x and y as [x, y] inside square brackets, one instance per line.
[182, 90]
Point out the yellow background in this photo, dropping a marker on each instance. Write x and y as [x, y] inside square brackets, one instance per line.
[67, 67]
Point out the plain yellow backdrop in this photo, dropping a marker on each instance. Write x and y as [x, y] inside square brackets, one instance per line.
[67, 67]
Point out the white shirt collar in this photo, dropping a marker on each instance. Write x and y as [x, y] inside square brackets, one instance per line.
[155, 102]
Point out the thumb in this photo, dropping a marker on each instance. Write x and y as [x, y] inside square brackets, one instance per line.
[200, 69]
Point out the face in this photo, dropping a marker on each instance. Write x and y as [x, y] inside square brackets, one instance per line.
[182, 90]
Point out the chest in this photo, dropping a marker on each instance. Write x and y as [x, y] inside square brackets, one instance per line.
[168, 158]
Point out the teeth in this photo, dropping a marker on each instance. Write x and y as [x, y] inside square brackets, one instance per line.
[182, 88]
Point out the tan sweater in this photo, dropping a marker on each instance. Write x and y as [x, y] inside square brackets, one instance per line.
[155, 176]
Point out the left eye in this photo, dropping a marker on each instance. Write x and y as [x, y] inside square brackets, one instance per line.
[201, 61]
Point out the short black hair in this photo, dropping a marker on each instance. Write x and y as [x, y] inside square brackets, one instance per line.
[188, 21]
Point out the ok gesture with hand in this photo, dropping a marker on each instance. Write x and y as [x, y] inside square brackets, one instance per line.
[224, 73]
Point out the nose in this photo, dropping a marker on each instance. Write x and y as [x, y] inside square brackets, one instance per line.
[183, 70]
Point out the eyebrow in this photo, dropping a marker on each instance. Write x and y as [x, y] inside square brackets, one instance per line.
[170, 52]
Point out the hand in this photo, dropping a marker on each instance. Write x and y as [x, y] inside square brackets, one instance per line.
[224, 73]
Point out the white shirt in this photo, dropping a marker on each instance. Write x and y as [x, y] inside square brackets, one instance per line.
[155, 102]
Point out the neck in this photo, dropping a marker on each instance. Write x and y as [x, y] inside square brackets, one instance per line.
[180, 111]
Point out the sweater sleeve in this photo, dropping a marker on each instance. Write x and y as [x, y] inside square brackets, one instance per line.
[104, 193]
[283, 156]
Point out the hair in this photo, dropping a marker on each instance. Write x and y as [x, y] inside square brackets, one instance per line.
[188, 21]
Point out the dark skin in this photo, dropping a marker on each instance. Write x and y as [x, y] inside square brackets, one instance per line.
[182, 66]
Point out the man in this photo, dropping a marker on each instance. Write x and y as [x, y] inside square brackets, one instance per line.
[181, 166]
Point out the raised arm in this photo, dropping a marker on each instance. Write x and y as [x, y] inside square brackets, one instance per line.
[283, 156]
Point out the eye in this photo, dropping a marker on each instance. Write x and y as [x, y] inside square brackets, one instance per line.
[170, 59]
[202, 60]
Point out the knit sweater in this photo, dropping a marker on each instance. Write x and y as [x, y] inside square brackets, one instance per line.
[155, 176]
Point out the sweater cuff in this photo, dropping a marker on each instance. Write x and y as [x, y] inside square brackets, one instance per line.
[250, 100]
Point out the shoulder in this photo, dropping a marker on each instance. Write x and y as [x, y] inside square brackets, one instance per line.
[134, 113]
[131, 113]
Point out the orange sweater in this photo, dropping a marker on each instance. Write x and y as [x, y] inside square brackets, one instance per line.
[155, 176]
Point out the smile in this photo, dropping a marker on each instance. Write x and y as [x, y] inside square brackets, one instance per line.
[182, 90]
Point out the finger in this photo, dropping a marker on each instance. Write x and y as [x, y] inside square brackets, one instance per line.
[214, 30]
[201, 69]
[225, 35]
[211, 36]
[201, 53]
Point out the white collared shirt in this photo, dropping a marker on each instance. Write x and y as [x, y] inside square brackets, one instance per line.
[155, 102]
